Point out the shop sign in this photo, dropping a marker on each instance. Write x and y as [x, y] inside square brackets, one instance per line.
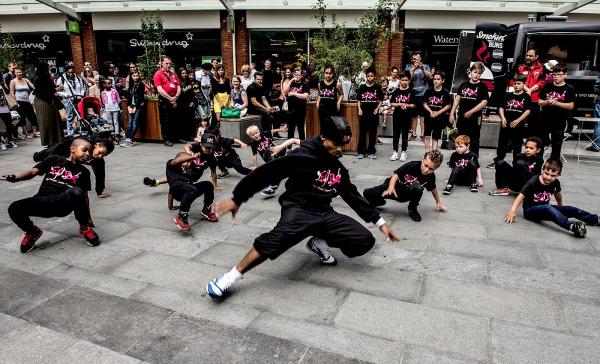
[41, 44]
[488, 48]
[134, 42]
[445, 40]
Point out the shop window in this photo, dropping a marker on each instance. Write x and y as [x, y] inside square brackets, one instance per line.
[283, 47]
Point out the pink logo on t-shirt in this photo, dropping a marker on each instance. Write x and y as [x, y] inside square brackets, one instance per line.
[64, 174]
[327, 180]
[369, 96]
[433, 100]
[557, 96]
[469, 92]
[515, 104]
[411, 180]
[403, 98]
[542, 197]
[462, 163]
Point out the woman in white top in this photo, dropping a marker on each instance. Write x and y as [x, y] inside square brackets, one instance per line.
[20, 89]
[393, 80]
[246, 79]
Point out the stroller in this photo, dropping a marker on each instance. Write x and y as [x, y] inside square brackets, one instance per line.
[92, 124]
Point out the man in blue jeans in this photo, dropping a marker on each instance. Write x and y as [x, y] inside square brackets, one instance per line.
[595, 146]
[536, 195]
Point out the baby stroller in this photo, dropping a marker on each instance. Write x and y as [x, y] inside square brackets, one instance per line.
[88, 111]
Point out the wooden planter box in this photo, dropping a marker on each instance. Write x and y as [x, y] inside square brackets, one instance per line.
[149, 129]
[349, 110]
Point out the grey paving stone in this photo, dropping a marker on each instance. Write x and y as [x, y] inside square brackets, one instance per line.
[184, 339]
[415, 324]
[400, 285]
[516, 344]
[25, 262]
[95, 280]
[508, 304]
[11, 235]
[570, 262]
[164, 242]
[317, 356]
[93, 354]
[21, 290]
[107, 230]
[583, 318]
[266, 220]
[110, 321]
[33, 344]
[545, 280]
[339, 340]
[9, 323]
[542, 235]
[464, 230]
[198, 305]
[421, 355]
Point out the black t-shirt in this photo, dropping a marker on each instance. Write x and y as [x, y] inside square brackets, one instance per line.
[369, 97]
[263, 147]
[471, 94]
[219, 88]
[62, 174]
[537, 193]
[399, 96]
[532, 165]
[437, 100]
[177, 173]
[268, 77]
[254, 91]
[554, 114]
[328, 97]
[462, 160]
[515, 105]
[410, 174]
[295, 103]
[223, 148]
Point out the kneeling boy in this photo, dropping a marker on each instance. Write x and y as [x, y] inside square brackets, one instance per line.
[63, 190]
[408, 183]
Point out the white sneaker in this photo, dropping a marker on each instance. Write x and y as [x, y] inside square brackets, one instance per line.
[403, 156]
[219, 286]
[3, 146]
[394, 156]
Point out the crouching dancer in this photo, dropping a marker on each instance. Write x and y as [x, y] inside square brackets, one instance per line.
[315, 176]
[63, 190]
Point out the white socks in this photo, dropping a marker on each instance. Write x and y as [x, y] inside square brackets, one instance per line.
[232, 276]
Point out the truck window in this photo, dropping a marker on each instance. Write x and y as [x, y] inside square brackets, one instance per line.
[579, 51]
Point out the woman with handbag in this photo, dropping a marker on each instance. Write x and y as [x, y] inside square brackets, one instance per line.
[221, 87]
[6, 125]
[46, 104]
[20, 89]
[238, 99]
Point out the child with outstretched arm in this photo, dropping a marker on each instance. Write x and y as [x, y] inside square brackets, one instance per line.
[536, 195]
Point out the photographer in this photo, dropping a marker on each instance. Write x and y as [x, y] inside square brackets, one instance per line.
[420, 75]
[72, 91]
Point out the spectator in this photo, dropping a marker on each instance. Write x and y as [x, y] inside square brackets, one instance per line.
[287, 77]
[268, 77]
[534, 71]
[221, 88]
[420, 74]
[214, 63]
[186, 108]
[238, 97]
[8, 76]
[246, 79]
[45, 105]
[132, 68]
[73, 90]
[595, 146]
[258, 103]
[169, 89]
[330, 97]
[91, 82]
[135, 107]
[296, 93]
[6, 125]
[20, 89]
[110, 103]
[393, 80]
[361, 78]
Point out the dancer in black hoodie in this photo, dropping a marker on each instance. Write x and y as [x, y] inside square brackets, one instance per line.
[315, 176]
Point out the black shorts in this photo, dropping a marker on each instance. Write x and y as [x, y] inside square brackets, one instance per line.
[419, 110]
[434, 127]
[297, 223]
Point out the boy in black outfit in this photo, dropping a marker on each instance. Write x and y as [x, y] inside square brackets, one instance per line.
[535, 197]
[465, 167]
[557, 100]
[183, 175]
[100, 149]
[262, 143]
[408, 183]
[369, 98]
[315, 176]
[512, 178]
[436, 102]
[226, 156]
[403, 100]
[513, 113]
[471, 98]
[63, 190]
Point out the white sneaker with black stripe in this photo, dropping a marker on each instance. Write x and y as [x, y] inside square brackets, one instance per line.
[320, 248]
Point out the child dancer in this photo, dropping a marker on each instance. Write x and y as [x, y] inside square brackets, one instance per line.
[436, 102]
[110, 101]
[226, 156]
[63, 190]
[535, 197]
[465, 167]
[408, 183]
[315, 176]
[262, 143]
[369, 101]
[403, 100]
[471, 99]
[183, 175]
[513, 178]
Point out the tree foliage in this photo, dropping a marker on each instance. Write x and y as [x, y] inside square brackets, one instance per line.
[152, 36]
[8, 50]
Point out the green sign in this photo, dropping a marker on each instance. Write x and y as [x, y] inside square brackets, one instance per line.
[72, 27]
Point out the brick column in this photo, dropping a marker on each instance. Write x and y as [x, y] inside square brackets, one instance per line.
[241, 36]
[391, 52]
[83, 45]
[77, 52]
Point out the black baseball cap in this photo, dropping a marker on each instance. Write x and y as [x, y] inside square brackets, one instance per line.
[207, 140]
[337, 129]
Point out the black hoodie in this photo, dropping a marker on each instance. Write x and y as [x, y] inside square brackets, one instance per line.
[314, 178]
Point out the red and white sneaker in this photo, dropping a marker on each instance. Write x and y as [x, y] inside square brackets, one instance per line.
[182, 222]
[89, 235]
[28, 241]
[208, 215]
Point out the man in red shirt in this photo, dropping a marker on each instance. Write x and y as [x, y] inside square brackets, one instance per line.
[534, 71]
[168, 87]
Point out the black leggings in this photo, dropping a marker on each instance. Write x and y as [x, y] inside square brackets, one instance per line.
[26, 112]
[296, 120]
[411, 193]
[297, 223]
[232, 162]
[368, 124]
[57, 205]
[463, 176]
[187, 193]
[401, 125]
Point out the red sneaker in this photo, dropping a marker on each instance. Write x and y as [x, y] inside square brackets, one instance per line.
[208, 215]
[182, 223]
[90, 236]
[28, 242]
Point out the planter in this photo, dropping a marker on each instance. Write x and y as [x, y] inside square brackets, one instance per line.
[236, 128]
[149, 129]
[348, 110]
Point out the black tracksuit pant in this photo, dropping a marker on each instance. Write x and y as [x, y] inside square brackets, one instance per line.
[297, 223]
[513, 177]
[232, 161]
[406, 193]
[368, 124]
[168, 116]
[187, 193]
[58, 205]
[514, 136]
[463, 176]
[401, 125]
[295, 119]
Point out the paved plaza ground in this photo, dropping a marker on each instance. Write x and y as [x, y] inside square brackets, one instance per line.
[460, 287]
